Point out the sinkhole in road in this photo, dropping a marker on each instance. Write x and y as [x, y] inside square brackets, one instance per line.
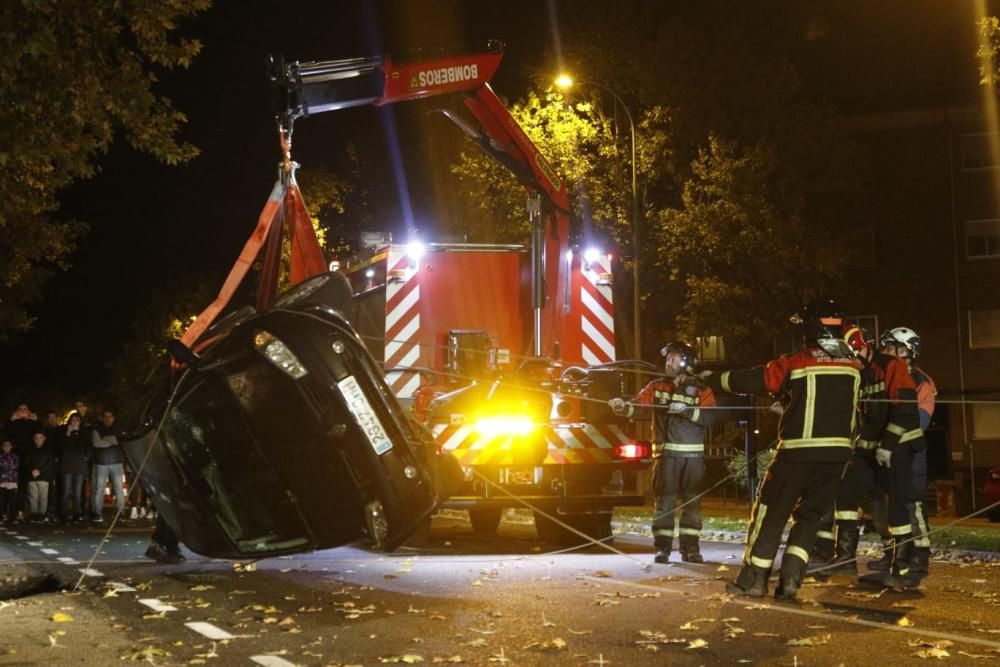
[34, 583]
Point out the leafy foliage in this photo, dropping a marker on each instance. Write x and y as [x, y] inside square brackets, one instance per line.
[73, 74]
[989, 39]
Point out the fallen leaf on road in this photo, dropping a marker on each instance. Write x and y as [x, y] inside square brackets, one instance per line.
[605, 602]
[689, 626]
[722, 568]
[698, 643]
[904, 622]
[578, 632]
[602, 573]
[202, 587]
[809, 641]
[412, 610]
[409, 659]
[766, 634]
[146, 655]
[558, 644]
[60, 617]
[546, 623]
[936, 653]
[941, 643]
[149, 617]
[451, 658]
[976, 656]
[478, 641]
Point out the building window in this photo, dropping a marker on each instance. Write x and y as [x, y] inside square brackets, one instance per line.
[711, 348]
[984, 328]
[977, 153]
[982, 238]
[861, 248]
[986, 422]
[867, 322]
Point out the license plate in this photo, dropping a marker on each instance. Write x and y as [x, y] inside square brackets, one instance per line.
[358, 404]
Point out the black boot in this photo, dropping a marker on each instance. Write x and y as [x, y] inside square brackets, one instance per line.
[885, 562]
[845, 558]
[751, 582]
[792, 572]
[662, 556]
[690, 553]
[919, 563]
[899, 572]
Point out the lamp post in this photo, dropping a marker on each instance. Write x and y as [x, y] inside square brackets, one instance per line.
[566, 82]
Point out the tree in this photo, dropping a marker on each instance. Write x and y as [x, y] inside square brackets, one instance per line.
[578, 141]
[741, 179]
[73, 75]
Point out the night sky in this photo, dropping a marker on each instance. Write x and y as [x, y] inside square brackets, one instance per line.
[150, 224]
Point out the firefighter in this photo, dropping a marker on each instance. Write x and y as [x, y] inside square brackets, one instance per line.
[904, 343]
[818, 386]
[888, 394]
[677, 404]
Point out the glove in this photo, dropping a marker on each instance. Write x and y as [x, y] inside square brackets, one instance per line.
[676, 408]
[777, 408]
[618, 406]
[883, 457]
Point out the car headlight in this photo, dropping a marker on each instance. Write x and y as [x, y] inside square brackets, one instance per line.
[275, 351]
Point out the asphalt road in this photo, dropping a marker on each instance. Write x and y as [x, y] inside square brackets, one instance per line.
[465, 599]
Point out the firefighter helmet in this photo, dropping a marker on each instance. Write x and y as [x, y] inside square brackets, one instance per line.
[902, 337]
[823, 324]
[857, 338]
[689, 358]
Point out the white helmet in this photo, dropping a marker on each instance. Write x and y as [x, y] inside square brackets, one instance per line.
[902, 336]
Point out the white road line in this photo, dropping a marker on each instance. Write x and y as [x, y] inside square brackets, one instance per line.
[34, 544]
[271, 661]
[21, 537]
[68, 560]
[156, 604]
[209, 630]
[51, 552]
[90, 572]
[766, 606]
[120, 587]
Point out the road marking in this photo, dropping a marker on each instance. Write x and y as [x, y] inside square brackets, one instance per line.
[271, 661]
[209, 630]
[156, 604]
[120, 587]
[90, 572]
[21, 537]
[826, 616]
[68, 560]
[51, 552]
[34, 544]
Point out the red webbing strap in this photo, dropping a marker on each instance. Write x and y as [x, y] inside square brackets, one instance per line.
[271, 209]
[307, 255]
[270, 270]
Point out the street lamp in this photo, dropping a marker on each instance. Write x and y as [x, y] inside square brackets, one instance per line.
[566, 82]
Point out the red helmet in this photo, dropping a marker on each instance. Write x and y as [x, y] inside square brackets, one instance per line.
[856, 338]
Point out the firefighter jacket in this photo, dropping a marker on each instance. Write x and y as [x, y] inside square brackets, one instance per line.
[678, 413]
[926, 391]
[889, 405]
[819, 394]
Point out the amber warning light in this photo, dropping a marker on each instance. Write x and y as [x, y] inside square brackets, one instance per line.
[632, 451]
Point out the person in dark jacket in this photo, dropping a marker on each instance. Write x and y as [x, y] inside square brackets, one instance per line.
[9, 475]
[74, 464]
[818, 386]
[108, 464]
[20, 427]
[38, 462]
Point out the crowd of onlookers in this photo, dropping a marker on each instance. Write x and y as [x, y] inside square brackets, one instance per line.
[55, 470]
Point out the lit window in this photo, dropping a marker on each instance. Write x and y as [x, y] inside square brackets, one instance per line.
[984, 328]
[986, 422]
[982, 238]
[711, 348]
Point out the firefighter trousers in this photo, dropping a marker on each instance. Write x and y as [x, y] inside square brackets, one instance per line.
[802, 490]
[678, 479]
[901, 496]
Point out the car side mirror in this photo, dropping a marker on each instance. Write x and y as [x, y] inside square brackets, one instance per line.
[182, 354]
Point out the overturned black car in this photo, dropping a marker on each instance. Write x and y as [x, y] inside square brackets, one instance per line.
[281, 435]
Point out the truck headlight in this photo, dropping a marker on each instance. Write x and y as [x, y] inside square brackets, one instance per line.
[275, 351]
[506, 425]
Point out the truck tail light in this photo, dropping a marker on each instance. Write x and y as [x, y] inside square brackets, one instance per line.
[633, 450]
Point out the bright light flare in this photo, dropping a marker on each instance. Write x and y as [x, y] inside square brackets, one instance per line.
[564, 81]
[504, 425]
[591, 255]
[632, 451]
[415, 250]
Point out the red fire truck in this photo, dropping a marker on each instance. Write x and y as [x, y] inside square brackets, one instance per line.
[506, 352]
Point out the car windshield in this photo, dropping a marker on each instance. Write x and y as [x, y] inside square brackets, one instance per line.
[218, 455]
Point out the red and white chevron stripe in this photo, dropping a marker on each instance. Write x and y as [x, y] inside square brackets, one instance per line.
[597, 322]
[402, 323]
[578, 443]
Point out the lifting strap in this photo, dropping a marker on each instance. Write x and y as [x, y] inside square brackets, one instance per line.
[284, 204]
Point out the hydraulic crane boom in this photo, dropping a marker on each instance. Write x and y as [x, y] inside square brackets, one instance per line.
[305, 89]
